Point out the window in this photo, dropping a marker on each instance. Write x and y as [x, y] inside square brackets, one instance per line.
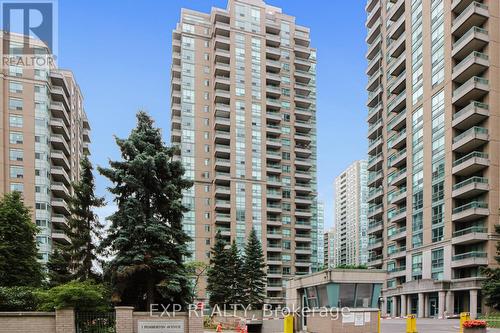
[416, 266]
[437, 257]
[15, 121]
[16, 154]
[15, 104]
[16, 172]
[19, 187]
[41, 223]
[15, 87]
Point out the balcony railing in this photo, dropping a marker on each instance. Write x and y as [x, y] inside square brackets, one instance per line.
[472, 180]
[470, 205]
[472, 254]
[468, 33]
[470, 230]
[474, 154]
[473, 130]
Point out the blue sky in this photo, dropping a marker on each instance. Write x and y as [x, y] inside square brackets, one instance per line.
[120, 52]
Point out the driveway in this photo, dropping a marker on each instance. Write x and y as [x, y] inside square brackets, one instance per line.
[425, 325]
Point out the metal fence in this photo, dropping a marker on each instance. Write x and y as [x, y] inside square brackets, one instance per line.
[95, 322]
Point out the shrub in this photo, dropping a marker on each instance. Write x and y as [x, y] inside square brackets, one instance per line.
[18, 299]
[82, 296]
[475, 324]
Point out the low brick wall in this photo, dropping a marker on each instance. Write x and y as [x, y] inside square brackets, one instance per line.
[127, 321]
[28, 322]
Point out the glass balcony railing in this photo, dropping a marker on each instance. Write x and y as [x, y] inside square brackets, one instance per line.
[469, 156]
[471, 131]
[472, 254]
[470, 205]
[472, 180]
[470, 230]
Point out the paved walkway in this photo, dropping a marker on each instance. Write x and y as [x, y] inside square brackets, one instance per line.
[425, 325]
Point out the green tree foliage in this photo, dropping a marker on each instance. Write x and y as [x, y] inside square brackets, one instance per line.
[344, 266]
[85, 228]
[18, 252]
[491, 285]
[82, 296]
[18, 299]
[146, 238]
[58, 266]
[254, 274]
[234, 276]
[217, 273]
[196, 269]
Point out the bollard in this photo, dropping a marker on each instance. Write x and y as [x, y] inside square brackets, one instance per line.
[378, 322]
[464, 316]
[288, 324]
[411, 324]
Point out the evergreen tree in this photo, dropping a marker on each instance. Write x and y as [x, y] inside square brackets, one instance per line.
[234, 277]
[85, 228]
[146, 237]
[491, 285]
[254, 273]
[58, 267]
[217, 273]
[18, 251]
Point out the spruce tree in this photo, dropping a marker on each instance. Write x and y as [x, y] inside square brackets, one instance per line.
[234, 276]
[18, 251]
[58, 267]
[217, 274]
[491, 285]
[254, 274]
[146, 237]
[85, 228]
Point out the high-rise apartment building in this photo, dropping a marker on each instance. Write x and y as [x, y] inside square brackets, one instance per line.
[243, 115]
[351, 240]
[45, 133]
[319, 236]
[433, 163]
[328, 248]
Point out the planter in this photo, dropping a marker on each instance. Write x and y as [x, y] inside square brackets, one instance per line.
[475, 330]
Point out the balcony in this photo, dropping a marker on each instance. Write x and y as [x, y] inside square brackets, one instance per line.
[397, 28]
[375, 129]
[398, 103]
[222, 218]
[222, 150]
[59, 159]
[222, 177]
[375, 162]
[397, 271]
[273, 155]
[222, 69]
[60, 206]
[60, 220]
[222, 191]
[375, 243]
[396, 234]
[302, 250]
[470, 139]
[397, 159]
[222, 96]
[373, 32]
[273, 53]
[222, 42]
[470, 115]
[60, 237]
[375, 178]
[398, 66]
[374, 81]
[473, 65]
[398, 85]
[397, 197]
[303, 176]
[397, 178]
[471, 187]
[458, 6]
[470, 235]
[301, 64]
[396, 252]
[396, 215]
[375, 227]
[374, 48]
[59, 189]
[222, 110]
[224, 231]
[398, 47]
[396, 10]
[222, 164]
[273, 40]
[469, 259]
[397, 122]
[59, 174]
[303, 163]
[470, 163]
[471, 211]
[222, 123]
[59, 142]
[222, 82]
[375, 260]
[273, 103]
[374, 112]
[58, 110]
[374, 64]
[375, 194]
[373, 16]
[303, 114]
[303, 76]
[473, 40]
[374, 145]
[374, 97]
[398, 140]
[222, 56]
[375, 211]
[476, 14]
[59, 127]
[472, 90]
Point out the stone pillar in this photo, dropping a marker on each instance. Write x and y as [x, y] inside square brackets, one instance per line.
[420, 305]
[195, 322]
[426, 306]
[473, 303]
[384, 306]
[65, 321]
[393, 307]
[403, 306]
[124, 319]
[450, 303]
[441, 305]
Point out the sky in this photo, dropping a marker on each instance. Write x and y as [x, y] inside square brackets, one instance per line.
[120, 53]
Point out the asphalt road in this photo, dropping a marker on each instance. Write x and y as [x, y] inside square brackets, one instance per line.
[425, 325]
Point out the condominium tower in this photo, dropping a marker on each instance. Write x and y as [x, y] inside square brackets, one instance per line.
[328, 248]
[45, 133]
[350, 216]
[243, 114]
[433, 110]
